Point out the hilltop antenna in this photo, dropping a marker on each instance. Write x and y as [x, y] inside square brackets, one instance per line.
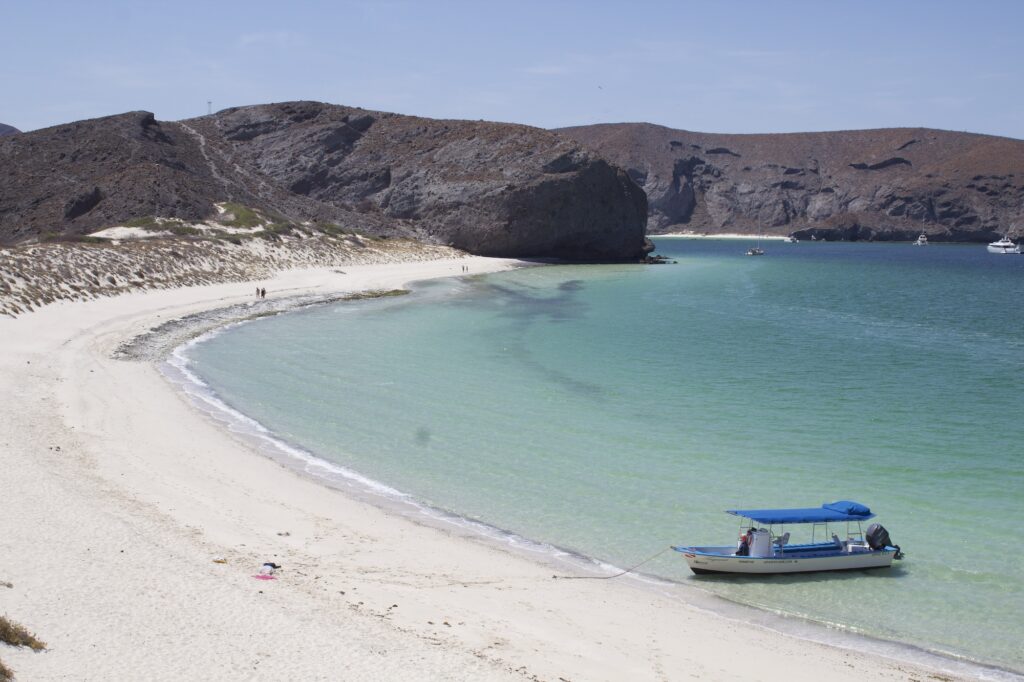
[209, 107]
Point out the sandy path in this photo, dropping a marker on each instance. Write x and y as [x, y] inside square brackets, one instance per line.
[115, 496]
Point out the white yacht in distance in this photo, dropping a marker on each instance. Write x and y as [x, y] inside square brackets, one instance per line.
[922, 240]
[1004, 245]
[756, 250]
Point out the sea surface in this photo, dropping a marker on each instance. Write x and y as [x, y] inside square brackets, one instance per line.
[614, 410]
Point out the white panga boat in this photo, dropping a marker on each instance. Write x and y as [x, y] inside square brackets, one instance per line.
[763, 551]
[922, 240]
[1004, 245]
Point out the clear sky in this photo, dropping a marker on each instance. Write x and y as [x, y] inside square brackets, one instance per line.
[715, 65]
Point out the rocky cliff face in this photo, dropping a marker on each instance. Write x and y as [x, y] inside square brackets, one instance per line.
[8, 130]
[863, 184]
[488, 188]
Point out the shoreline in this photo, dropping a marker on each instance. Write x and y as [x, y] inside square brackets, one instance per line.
[392, 501]
[133, 456]
[724, 235]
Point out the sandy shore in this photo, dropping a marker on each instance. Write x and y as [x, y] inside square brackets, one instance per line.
[116, 496]
[724, 235]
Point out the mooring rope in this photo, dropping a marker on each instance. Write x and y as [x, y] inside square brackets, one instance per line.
[609, 577]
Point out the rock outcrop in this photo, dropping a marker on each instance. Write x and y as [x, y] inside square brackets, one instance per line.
[488, 188]
[889, 184]
[8, 130]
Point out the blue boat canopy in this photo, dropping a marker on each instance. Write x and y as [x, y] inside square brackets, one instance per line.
[843, 510]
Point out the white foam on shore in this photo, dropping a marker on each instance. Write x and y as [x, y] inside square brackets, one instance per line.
[177, 369]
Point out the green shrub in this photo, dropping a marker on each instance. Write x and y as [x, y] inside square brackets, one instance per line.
[146, 222]
[333, 230]
[242, 216]
[182, 230]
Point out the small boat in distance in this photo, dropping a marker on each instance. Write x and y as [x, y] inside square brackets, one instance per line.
[756, 250]
[764, 551]
[1004, 245]
[922, 240]
[791, 240]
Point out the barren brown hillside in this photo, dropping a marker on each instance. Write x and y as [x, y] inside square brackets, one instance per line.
[891, 183]
[488, 188]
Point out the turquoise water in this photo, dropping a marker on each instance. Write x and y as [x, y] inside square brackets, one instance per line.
[614, 410]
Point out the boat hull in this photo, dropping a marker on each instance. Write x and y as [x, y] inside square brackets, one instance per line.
[702, 561]
[1003, 249]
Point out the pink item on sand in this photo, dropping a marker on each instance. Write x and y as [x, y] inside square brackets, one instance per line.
[264, 576]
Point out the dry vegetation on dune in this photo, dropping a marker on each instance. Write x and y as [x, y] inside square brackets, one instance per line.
[16, 635]
[35, 275]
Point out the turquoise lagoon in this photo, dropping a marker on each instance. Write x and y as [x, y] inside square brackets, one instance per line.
[614, 410]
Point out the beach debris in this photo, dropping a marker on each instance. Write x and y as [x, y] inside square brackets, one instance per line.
[4, 583]
[267, 571]
[284, 533]
[219, 560]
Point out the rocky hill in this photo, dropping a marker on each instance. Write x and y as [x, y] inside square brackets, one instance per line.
[862, 184]
[8, 130]
[488, 188]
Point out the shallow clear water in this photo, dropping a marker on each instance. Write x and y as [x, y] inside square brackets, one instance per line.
[614, 410]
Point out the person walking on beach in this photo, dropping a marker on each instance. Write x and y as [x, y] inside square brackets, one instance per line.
[257, 292]
[263, 293]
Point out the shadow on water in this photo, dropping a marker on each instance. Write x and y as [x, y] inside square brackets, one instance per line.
[522, 310]
[895, 572]
[517, 303]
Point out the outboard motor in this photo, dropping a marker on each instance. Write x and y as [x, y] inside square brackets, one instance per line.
[878, 538]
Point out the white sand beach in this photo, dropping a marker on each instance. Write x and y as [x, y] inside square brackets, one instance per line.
[723, 235]
[116, 495]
